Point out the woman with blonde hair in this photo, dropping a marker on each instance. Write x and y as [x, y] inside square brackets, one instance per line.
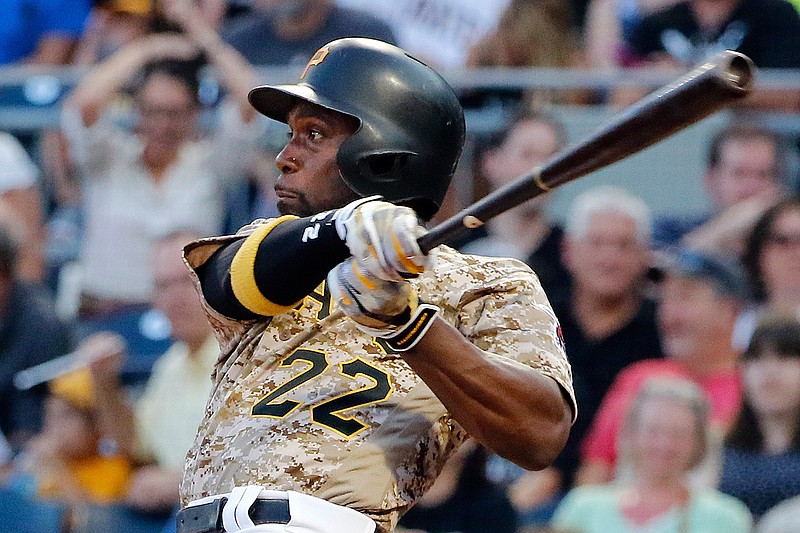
[664, 437]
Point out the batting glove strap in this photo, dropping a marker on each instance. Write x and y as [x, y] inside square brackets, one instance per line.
[415, 329]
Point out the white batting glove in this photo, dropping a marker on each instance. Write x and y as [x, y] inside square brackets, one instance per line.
[380, 308]
[383, 238]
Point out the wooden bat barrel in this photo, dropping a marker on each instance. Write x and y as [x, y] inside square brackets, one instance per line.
[726, 77]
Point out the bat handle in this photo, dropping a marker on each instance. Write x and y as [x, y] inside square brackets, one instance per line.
[528, 186]
[431, 240]
[449, 230]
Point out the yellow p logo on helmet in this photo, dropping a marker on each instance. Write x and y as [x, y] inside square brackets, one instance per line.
[315, 60]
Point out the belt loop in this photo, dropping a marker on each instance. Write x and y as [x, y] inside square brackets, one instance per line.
[235, 513]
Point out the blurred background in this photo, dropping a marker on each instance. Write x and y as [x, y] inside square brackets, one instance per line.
[119, 118]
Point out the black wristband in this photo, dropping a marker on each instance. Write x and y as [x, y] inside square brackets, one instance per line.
[289, 263]
[295, 257]
[417, 327]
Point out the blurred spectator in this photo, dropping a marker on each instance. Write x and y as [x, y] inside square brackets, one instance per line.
[462, 499]
[746, 169]
[159, 430]
[288, 32]
[42, 32]
[112, 24]
[143, 184]
[529, 139]
[664, 437]
[687, 33]
[609, 24]
[67, 461]
[439, 33]
[783, 518]
[30, 333]
[761, 462]
[21, 200]
[771, 258]
[532, 33]
[607, 321]
[701, 296]
[767, 31]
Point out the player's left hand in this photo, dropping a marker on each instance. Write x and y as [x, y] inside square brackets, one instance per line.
[381, 308]
[383, 238]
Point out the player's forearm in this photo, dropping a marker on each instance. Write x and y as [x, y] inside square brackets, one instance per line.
[511, 408]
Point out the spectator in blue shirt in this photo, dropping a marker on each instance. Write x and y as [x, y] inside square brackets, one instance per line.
[41, 31]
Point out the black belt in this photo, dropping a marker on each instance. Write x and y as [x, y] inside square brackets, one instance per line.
[207, 517]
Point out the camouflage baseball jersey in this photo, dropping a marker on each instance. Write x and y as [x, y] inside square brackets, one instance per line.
[305, 401]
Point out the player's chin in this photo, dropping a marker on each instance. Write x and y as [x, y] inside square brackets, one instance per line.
[294, 206]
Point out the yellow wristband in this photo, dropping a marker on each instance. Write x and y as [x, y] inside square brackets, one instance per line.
[243, 280]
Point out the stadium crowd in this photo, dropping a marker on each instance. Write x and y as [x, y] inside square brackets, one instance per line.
[683, 332]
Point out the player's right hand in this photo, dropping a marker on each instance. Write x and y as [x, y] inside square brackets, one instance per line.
[382, 237]
[381, 308]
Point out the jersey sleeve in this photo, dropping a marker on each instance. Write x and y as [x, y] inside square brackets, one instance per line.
[507, 313]
[195, 255]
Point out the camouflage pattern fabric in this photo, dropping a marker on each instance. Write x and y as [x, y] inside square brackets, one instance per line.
[305, 401]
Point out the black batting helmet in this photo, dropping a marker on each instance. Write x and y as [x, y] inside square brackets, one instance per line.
[411, 127]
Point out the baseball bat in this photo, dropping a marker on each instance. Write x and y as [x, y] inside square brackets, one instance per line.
[712, 85]
[62, 365]
[43, 372]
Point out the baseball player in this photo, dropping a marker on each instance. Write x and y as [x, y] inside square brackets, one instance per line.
[352, 364]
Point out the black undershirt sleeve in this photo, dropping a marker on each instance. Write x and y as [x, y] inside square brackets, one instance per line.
[215, 280]
[290, 263]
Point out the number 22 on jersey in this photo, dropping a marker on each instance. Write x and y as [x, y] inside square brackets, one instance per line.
[326, 413]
